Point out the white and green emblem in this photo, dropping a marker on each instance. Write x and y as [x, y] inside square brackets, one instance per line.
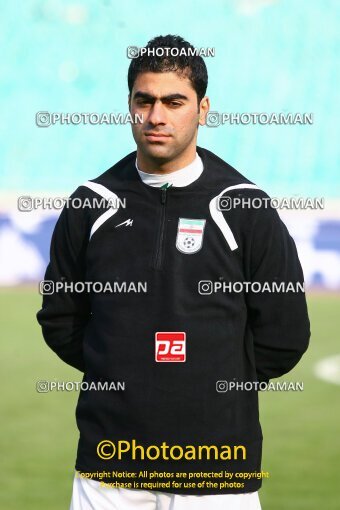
[189, 235]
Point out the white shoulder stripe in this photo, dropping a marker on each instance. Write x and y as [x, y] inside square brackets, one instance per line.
[108, 195]
[219, 219]
[99, 221]
[101, 190]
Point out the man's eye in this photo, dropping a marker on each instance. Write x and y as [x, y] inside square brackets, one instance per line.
[175, 103]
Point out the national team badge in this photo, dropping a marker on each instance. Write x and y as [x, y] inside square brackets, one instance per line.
[190, 235]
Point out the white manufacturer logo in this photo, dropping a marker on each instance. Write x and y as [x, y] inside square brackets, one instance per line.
[127, 223]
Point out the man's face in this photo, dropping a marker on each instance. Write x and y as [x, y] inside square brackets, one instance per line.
[170, 112]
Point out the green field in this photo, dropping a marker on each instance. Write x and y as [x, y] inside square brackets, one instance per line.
[39, 434]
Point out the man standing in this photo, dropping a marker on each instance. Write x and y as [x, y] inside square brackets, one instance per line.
[172, 327]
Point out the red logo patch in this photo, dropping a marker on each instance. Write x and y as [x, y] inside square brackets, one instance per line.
[170, 346]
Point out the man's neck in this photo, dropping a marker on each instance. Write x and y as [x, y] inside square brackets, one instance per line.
[152, 166]
[179, 178]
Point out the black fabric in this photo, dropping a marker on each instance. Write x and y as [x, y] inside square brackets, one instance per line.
[229, 336]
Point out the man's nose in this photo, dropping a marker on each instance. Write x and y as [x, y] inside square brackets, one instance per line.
[157, 114]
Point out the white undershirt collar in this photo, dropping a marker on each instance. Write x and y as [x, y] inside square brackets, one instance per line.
[179, 178]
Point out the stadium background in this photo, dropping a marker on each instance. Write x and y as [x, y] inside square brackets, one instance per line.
[65, 56]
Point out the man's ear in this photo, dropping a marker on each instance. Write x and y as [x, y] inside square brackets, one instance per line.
[203, 110]
[129, 97]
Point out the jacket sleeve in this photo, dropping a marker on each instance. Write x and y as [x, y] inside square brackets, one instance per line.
[64, 314]
[278, 320]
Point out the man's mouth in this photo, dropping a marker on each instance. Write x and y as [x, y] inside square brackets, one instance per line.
[156, 137]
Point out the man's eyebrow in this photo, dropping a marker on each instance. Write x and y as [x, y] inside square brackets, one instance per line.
[170, 97]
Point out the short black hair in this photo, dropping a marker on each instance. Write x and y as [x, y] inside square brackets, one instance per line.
[190, 65]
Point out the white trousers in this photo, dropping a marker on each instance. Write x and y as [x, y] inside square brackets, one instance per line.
[90, 495]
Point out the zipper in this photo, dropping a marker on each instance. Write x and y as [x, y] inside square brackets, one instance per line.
[160, 242]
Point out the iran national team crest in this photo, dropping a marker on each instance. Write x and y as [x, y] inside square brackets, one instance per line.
[190, 235]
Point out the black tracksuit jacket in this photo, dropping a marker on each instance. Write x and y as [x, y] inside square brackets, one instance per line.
[231, 336]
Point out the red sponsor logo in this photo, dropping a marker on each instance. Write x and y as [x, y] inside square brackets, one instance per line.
[170, 346]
